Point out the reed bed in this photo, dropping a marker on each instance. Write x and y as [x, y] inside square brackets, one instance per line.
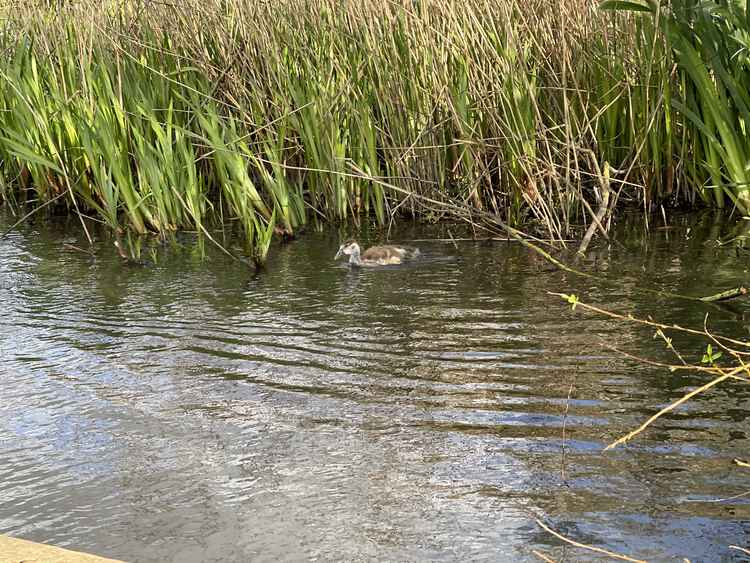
[155, 117]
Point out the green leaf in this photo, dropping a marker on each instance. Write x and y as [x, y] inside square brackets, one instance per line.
[629, 5]
[573, 300]
[23, 151]
[710, 357]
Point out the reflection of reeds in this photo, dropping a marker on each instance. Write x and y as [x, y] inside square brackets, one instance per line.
[157, 118]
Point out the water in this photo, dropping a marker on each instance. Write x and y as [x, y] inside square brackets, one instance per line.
[190, 411]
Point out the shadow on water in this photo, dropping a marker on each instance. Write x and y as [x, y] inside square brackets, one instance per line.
[194, 411]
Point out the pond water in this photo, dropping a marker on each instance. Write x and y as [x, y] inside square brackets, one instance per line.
[192, 411]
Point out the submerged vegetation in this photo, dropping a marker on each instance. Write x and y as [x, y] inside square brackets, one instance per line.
[155, 117]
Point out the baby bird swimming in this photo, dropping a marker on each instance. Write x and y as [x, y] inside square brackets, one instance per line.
[375, 255]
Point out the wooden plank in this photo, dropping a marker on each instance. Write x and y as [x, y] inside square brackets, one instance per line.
[15, 550]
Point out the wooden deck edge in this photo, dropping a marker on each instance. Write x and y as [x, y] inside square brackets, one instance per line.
[15, 550]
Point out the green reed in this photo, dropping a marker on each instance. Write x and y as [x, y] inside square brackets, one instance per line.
[707, 107]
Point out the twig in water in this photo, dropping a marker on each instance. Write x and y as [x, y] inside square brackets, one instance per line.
[597, 217]
[73, 247]
[542, 556]
[714, 338]
[742, 549]
[589, 547]
[30, 213]
[453, 241]
[75, 204]
[717, 500]
[734, 373]
[662, 326]
[673, 406]
[725, 295]
[670, 367]
[565, 420]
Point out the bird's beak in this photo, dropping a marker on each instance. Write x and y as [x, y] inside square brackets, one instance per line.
[338, 254]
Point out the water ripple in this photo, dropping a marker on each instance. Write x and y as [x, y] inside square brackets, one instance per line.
[192, 413]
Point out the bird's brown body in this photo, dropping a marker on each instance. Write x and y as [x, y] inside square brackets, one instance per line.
[376, 255]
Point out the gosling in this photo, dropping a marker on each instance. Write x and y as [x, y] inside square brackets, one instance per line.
[375, 255]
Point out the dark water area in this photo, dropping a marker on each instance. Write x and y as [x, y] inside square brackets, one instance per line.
[190, 411]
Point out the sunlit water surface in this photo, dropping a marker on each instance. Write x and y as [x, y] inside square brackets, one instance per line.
[190, 411]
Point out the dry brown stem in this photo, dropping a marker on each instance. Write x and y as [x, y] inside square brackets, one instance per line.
[543, 557]
[654, 324]
[671, 407]
[611, 554]
[739, 372]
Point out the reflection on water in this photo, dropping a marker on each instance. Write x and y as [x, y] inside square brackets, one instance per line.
[191, 411]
